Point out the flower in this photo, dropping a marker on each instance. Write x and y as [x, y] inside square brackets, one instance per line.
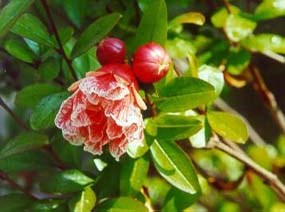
[103, 109]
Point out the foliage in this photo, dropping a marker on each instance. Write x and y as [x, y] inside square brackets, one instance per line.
[46, 45]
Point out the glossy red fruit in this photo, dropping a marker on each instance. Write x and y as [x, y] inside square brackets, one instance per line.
[150, 63]
[110, 51]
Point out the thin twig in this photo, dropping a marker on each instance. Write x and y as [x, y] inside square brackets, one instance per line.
[14, 185]
[227, 5]
[267, 97]
[253, 135]
[13, 115]
[60, 50]
[270, 178]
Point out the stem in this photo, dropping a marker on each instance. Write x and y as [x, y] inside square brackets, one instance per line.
[60, 50]
[227, 5]
[14, 185]
[267, 97]
[13, 115]
[266, 175]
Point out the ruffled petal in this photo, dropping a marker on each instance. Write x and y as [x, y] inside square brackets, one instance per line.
[113, 130]
[118, 147]
[103, 86]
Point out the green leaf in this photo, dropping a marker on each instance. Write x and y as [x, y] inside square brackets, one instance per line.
[177, 200]
[238, 28]
[69, 154]
[11, 12]
[20, 50]
[66, 182]
[94, 33]
[188, 18]
[45, 112]
[220, 17]
[228, 126]
[265, 42]
[14, 202]
[23, 142]
[25, 161]
[49, 69]
[83, 202]
[174, 165]
[213, 76]
[136, 150]
[184, 93]
[121, 204]
[48, 205]
[173, 127]
[29, 26]
[270, 9]
[179, 48]
[75, 10]
[153, 25]
[238, 60]
[132, 175]
[31, 95]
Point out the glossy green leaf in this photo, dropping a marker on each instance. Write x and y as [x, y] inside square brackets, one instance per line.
[31, 95]
[66, 181]
[238, 28]
[25, 161]
[65, 34]
[94, 33]
[75, 10]
[270, 9]
[184, 93]
[29, 26]
[237, 61]
[11, 12]
[56, 205]
[83, 202]
[121, 204]
[174, 165]
[15, 202]
[23, 142]
[179, 48]
[177, 200]
[49, 69]
[188, 18]
[20, 50]
[153, 25]
[133, 174]
[173, 127]
[136, 150]
[220, 17]
[69, 154]
[265, 42]
[45, 112]
[228, 126]
[213, 76]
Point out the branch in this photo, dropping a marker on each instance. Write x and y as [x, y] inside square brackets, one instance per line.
[14, 185]
[13, 115]
[227, 5]
[270, 178]
[60, 50]
[267, 96]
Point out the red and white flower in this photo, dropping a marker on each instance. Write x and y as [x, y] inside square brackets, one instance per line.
[105, 108]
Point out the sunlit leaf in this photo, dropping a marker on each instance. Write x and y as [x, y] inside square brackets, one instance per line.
[188, 18]
[184, 93]
[83, 202]
[270, 9]
[220, 17]
[121, 204]
[173, 164]
[228, 126]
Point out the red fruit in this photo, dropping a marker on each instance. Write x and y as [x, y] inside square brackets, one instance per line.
[111, 50]
[150, 63]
